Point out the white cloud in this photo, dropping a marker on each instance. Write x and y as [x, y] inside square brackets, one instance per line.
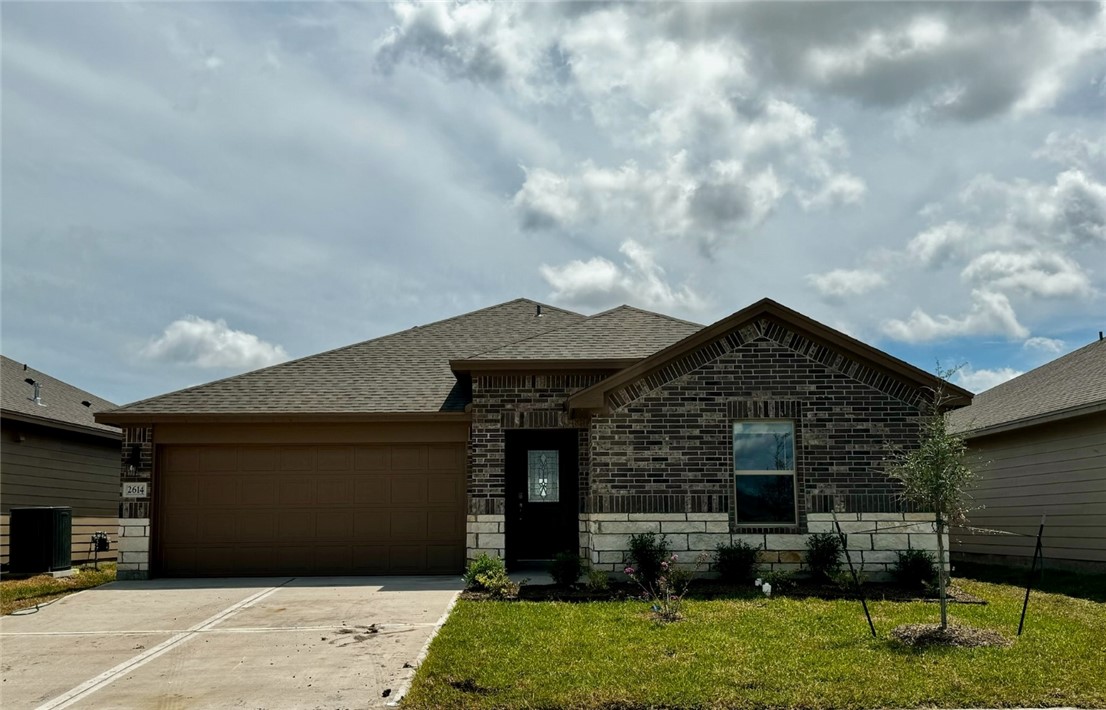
[983, 379]
[937, 245]
[1050, 346]
[211, 344]
[990, 314]
[599, 282]
[1074, 150]
[839, 283]
[1037, 273]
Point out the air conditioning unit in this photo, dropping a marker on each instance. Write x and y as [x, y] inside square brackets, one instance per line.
[41, 540]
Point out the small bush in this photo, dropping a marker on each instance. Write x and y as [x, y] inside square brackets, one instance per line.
[482, 565]
[598, 580]
[915, 569]
[647, 552]
[844, 578]
[780, 581]
[497, 584]
[736, 562]
[565, 569]
[823, 556]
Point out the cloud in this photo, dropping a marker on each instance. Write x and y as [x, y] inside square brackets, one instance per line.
[937, 245]
[990, 314]
[840, 283]
[1038, 273]
[706, 206]
[1074, 150]
[203, 343]
[983, 380]
[599, 282]
[1050, 346]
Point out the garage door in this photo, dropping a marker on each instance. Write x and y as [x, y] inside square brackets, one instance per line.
[255, 510]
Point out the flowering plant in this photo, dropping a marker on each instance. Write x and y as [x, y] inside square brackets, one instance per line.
[666, 591]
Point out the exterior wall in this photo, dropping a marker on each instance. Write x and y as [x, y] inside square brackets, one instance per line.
[46, 466]
[873, 539]
[134, 523]
[1056, 469]
[501, 402]
[670, 449]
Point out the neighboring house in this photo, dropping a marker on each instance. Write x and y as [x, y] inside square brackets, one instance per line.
[55, 453]
[1040, 439]
[523, 430]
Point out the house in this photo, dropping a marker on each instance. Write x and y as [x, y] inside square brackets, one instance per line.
[523, 430]
[1041, 441]
[55, 453]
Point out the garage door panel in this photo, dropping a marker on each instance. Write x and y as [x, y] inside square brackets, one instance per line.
[409, 489]
[336, 458]
[258, 459]
[218, 458]
[371, 489]
[261, 510]
[335, 490]
[295, 490]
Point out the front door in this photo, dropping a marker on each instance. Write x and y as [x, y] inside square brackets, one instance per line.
[542, 471]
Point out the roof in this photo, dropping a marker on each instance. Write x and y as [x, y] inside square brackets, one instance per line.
[1072, 385]
[594, 397]
[403, 373]
[622, 334]
[61, 402]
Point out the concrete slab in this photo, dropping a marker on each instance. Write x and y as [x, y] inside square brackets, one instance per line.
[289, 643]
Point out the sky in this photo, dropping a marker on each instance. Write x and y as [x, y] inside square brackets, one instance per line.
[190, 191]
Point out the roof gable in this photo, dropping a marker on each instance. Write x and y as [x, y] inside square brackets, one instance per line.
[1070, 385]
[767, 319]
[405, 372]
[624, 333]
[61, 402]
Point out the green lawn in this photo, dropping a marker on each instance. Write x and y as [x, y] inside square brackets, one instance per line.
[757, 652]
[16, 594]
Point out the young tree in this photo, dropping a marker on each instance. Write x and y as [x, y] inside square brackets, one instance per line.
[935, 476]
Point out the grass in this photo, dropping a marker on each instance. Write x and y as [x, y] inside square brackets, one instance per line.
[16, 594]
[758, 652]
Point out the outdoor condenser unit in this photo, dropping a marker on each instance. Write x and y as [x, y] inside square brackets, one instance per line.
[40, 540]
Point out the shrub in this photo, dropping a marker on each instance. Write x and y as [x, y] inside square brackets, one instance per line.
[780, 581]
[823, 556]
[666, 593]
[497, 584]
[915, 569]
[647, 553]
[736, 562]
[844, 579]
[565, 568]
[598, 580]
[482, 565]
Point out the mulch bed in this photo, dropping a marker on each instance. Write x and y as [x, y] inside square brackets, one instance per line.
[924, 635]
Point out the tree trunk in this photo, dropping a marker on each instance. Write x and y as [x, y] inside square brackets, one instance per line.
[941, 579]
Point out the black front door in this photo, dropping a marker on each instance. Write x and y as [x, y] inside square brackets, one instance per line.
[542, 469]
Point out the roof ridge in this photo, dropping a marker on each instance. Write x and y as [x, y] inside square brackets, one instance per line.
[658, 314]
[337, 350]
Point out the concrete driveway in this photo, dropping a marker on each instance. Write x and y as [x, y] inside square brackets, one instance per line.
[304, 642]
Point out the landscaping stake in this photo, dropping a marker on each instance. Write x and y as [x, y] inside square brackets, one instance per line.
[856, 580]
[1038, 552]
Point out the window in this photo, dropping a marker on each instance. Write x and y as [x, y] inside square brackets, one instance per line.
[544, 476]
[764, 472]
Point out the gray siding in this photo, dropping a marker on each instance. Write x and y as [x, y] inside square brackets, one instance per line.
[1056, 469]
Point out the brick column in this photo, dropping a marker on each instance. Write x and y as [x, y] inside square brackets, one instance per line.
[134, 523]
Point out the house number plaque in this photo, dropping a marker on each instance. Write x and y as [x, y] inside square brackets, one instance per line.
[135, 489]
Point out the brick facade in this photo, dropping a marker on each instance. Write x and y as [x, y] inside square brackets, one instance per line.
[134, 523]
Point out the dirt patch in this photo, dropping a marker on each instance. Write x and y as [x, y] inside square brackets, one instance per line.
[923, 635]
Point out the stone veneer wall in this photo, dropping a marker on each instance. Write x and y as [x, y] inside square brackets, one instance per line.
[134, 523]
[873, 539]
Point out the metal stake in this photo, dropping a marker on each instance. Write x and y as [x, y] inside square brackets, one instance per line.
[852, 570]
[1038, 552]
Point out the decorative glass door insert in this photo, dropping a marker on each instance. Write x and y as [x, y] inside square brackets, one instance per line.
[544, 476]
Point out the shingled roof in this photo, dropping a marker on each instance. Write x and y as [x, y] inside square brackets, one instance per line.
[61, 403]
[1068, 386]
[624, 333]
[406, 372]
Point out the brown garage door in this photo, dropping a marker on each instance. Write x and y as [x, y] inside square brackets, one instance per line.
[253, 510]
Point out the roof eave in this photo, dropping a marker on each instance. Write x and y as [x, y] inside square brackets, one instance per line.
[122, 418]
[593, 398]
[515, 365]
[1037, 420]
[66, 426]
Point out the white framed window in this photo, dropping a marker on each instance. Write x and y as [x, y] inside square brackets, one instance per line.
[764, 472]
[544, 476]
